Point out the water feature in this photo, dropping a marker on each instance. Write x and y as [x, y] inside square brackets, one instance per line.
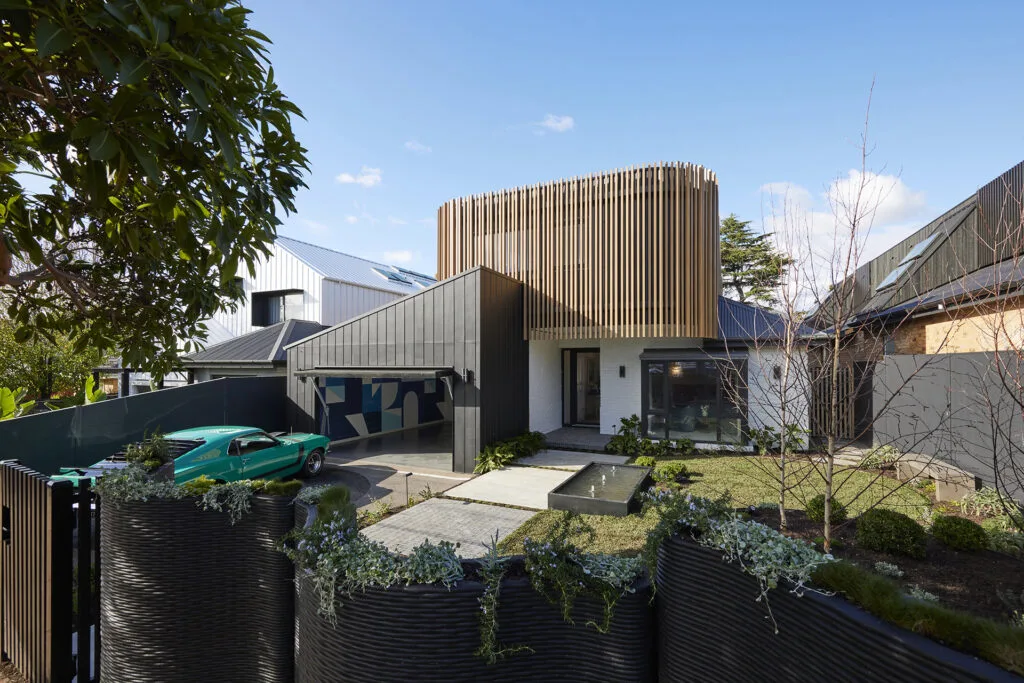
[601, 489]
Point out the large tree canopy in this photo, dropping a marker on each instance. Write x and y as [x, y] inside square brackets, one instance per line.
[145, 152]
[752, 269]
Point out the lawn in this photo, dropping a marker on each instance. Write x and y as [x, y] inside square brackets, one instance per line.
[749, 481]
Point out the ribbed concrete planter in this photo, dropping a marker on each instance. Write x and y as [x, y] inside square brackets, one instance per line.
[428, 633]
[188, 597]
[711, 629]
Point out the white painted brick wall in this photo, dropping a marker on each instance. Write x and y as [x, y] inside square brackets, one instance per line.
[545, 386]
[764, 392]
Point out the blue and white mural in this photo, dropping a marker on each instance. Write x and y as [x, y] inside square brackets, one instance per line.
[364, 406]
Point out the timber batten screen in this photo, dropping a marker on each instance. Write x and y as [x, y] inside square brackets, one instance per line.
[631, 253]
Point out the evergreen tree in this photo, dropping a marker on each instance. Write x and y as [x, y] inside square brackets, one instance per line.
[752, 268]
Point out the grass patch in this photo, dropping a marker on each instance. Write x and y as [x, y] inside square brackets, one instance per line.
[749, 480]
[613, 535]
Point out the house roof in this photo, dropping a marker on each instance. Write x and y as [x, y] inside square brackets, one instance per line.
[336, 265]
[743, 322]
[265, 346]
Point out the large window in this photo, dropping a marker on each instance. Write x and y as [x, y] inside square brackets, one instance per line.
[701, 399]
[270, 308]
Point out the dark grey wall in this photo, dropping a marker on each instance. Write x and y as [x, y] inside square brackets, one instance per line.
[446, 325]
[957, 408]
[80, 436]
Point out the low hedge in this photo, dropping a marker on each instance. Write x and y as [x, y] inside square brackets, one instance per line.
[1000, 644]
[959, 533]
[888, 531]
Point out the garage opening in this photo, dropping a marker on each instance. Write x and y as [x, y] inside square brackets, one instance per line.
[394, 417]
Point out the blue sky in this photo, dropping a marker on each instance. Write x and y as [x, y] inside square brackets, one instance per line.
[409, 104]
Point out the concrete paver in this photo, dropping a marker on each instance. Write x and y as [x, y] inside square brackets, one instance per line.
[569, 460]
[523, 486]
[471, 525]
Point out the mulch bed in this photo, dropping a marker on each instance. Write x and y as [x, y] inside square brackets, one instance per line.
[971, 582]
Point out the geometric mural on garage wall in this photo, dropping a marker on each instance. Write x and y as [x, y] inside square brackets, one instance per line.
[367, 406]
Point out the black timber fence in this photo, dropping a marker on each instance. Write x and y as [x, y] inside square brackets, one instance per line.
[49, 577]
[83, 435]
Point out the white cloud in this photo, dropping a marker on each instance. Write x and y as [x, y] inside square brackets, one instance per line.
[351, 220]
[555, 124]
[426, 221]
[396, 221]
[367, 177]
[418, 147]
[815, 229]
[403, 256]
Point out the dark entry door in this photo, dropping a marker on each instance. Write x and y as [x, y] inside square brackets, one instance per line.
[584, 386]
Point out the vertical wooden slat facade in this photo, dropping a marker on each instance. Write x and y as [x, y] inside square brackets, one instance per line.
[630, 253]
[469, 323]
[35, 573]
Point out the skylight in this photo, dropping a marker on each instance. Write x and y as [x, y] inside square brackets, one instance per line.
[919, 248]
[892, 277]
[392, 276]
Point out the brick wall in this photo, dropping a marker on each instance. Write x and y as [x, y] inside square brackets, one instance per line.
[979, 329]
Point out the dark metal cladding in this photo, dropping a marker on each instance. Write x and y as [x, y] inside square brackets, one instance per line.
[187, 596]
[711, 628]
[471, 323]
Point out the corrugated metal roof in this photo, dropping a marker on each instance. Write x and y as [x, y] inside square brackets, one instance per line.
[359, 271]
[740, 321]
[981, 284]
[262, 346]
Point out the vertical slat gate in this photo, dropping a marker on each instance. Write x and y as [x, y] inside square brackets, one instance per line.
[36, 574]
[845, 428]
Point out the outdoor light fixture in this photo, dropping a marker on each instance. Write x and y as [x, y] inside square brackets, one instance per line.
[675, 369]
[622, 371]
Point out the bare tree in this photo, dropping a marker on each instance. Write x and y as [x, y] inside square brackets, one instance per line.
[816, 376]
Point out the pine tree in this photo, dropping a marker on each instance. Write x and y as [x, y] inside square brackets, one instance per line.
[752, 268]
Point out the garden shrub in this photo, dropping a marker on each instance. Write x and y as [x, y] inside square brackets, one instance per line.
[815, 510]
[336, 501]
[998, 643]
[503, 453]
[645, 461]
[882, 457]
[669, 472]
[766, 439]
[683, 447]
[889, 569]
[627, 438]
[151, 453]
[890, 532]
[959, 533]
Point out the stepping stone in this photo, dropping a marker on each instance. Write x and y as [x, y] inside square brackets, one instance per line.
[526, 487]
[471, 525]
[569, 460]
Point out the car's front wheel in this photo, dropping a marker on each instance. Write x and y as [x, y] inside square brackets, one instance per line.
[314, 464]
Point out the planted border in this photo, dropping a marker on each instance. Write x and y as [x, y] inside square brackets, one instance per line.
[710, 627]
[189, 596]
[433, 633]
[429, 633]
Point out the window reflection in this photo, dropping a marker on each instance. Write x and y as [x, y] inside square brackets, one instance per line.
[701, 400]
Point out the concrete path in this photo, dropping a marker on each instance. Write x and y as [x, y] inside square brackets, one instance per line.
[569, 460]
[522, 486]
[471, 525]
[368, 484]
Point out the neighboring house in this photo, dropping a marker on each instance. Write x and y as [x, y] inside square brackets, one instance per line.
[256, 353]
[301, 281]
[572, 303]
[950, 285]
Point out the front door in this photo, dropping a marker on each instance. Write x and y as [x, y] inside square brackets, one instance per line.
[583, 386]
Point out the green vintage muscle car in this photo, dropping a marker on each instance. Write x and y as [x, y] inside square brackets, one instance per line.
[227, 454]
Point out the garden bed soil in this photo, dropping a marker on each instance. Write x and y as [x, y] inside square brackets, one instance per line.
[967, 581]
